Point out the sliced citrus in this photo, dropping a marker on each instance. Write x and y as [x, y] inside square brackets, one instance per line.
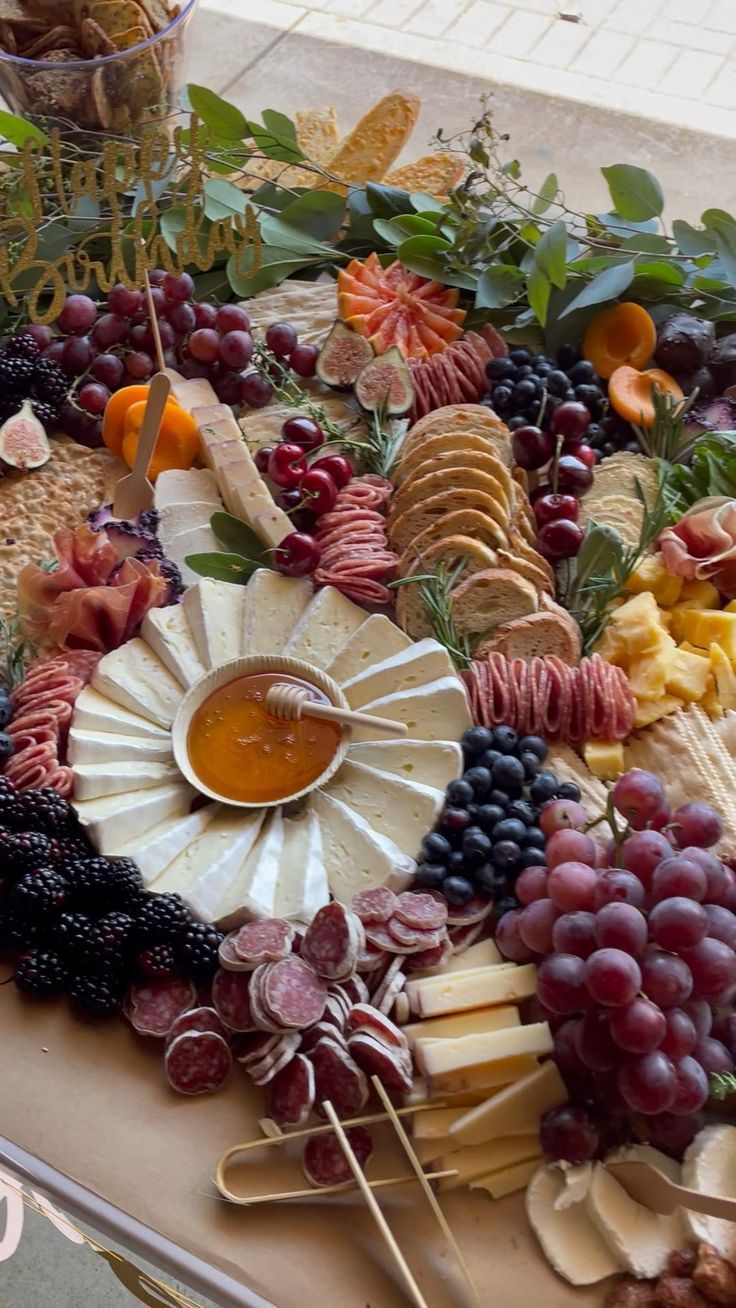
[395, 307]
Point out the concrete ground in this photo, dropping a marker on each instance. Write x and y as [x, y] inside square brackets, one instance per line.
[560, 89]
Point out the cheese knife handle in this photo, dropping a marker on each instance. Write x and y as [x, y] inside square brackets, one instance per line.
[714, 1205]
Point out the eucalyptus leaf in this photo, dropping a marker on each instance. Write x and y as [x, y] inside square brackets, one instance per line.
[424, 255]
[395, 230]
[276, 231]
[238, 538]
[272, 271]
[725, 238]
[647, 243]
[669, 274]
[273, 145]
[222, 567]
[550, 254]
[690, 240]
[635, 192]
[607, 286]
[538, 289]
[498, 285]
[422, 202]
[279, 124]
[222, 199]
[224, 119]
[319, 214]
[172, 221]
[388, 201]
[547, 194]
[17, 130]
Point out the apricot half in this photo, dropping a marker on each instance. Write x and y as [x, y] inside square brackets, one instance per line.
[624, 334]
[630, 393]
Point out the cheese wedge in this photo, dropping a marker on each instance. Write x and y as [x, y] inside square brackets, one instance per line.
[176, 518]
[98, 713]
[436, 711]
[323, 628]
[199, 540]
[302, 887]
[462, 1024]
[570, 1239]
[214, 611]
[273, 606]
[446, 1062]
[431, 762]
[508, 1180]
[485, 1159]
[484, 953]
[206, 867]
[356, 856]
[136, 679]
[191, 394]
[190, 486]
[168, 633]
[421, 663]
[376, 640]
[709, 1166]
[252, 892]
[402, 810]
[108, 747]
[154, 850]
[513, 1111]
[251, 501]
[435, 1123]
[93, 780]
[472, 989]
[109, 821]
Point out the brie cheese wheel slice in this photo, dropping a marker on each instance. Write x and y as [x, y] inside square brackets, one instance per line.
[376, 640]
[437, 711]
[273, 606]
[402, 810]
[178, 486]
[302, 886]
[109, 747]
[214, 611]
[416, 666]
[137, 680]
[109, 821]
[96, 712]
[198, 540]
[154, 850]
[323, 628]
[176, 518]
[205, 868]
[252, 892]
[710, 1166]
[167, 632]
[639, 1239]
[431, 762]
[93, 780]
[570, 1239]
[356, 856]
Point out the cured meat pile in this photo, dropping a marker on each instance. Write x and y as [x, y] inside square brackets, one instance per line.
[456, 375]
[545, 697]
[42, 711]
[355, 557]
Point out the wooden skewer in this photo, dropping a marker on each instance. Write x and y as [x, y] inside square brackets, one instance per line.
[134, 492]
[424, 1182]
[246, 1201]
[372, 1203]
[293, 703]
[153, 318]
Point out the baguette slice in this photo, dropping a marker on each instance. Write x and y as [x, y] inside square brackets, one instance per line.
[407, 526]
[489, 599]
[410, 608]
[444, 443]
[457, 478]
[518, 545]
[530, 571]
[462, 417]
[461, 522]
[537, 634]
[474, 459]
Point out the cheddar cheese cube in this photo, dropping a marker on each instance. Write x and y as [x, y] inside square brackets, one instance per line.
[604, 758]
[649, 711]
[708, 626]
[651, 575]
[649, 671]
[681, 623]
[724, 677]
[688, 676]
[700, 595]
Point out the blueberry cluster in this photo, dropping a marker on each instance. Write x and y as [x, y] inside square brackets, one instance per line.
[489, 831]
[527, 388]
[84, 924]
[611, 435]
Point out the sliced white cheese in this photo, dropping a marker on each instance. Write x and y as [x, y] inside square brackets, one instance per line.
[710, 1166]
[168, 633]
[109, 747]
[356, 856]
[485, 1159]
[214, 611]
[323, 628]
[200, 540]
[173, 519]
[93, 780]
[109, 821]
[180, 486]
[249, 498]
[137, 680]
[402, 810]
[416, 666]
[205, 867]
[514, 1110]
[96, 712]
[302, 886]
[437, 711]
[153, 850]
[191, 394]
[569, 1238]
[432, 762]
[376, 640]
[273, 606]
[640, 1240]
[253, 891]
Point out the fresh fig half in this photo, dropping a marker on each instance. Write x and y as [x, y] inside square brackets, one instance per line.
[386, 382]
[342, 356]
[23, 440]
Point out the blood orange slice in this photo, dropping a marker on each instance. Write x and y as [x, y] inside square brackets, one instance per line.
[394, 307]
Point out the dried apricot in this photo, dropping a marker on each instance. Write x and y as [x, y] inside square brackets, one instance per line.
[624, 334]
[630, 393]
[177, 445]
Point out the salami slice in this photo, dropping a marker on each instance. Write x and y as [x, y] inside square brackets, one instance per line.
[198, 1062]
[231, 961]
[337, 1078]
[262, 1019]
[390, 992]
[425, 912]
[335, 1012]
[196, 1019]
[256, 1046]
[378, 1059]
[393, 969]
[270, 1066]
[433, 957]
[411, 938]
[231, 998]
[379, 937]
[462, 937]
[476, 910]
[155, 1005]
[374, 905]
[325, 1163]
[293, 994]
[263, 942]
[365, 1016]
[331, 945]
[315, 1033]
[291, 1093]
[356, 990]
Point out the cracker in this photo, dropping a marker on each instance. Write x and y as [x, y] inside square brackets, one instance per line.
[310, 307]
[157, 13]
[131, 37]
[435, 174]
[95, 42]
[116, 16]
[100, 99]
[317, 132]
[367, 153]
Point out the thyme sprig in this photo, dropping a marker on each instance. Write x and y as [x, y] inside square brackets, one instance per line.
[435, 589]
[15, 652]
[722, 1084]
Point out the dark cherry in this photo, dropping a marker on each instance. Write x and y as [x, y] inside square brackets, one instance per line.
[570, 420]
[532, 447]
[573, 475]
[560, 539]
[550, 507]
[297, 555]
[304, 432]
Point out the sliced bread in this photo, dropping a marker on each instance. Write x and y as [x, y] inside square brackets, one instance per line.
[475, 459]
[524, 568]
[443, 443]
[463, 417]
[537, 634]
[407, 526]
[489, 599]
[436, 483]
[461, 522]
[520, 546]
[410, 608]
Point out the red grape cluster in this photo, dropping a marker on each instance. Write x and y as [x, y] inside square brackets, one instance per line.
[637, 959]
[561, 448]
[304, 490]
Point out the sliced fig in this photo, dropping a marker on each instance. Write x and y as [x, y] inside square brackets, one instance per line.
[386, 382]
[342, 356]
[23, 440]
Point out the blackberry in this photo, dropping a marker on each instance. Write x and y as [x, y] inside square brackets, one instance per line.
[71, 935]
[159, 961]
[17, 933]
[108, 943]
[39, 895]
[49, 382]
[198, 951]
[11, 808]
[40, 972]
[16, 370]
[46, 412]
[22, 851]
[96, 996]
[48, 811]
[66, 849]
[22, 345]
[162, 919]
[99, 884]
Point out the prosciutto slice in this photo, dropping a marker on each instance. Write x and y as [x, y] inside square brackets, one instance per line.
[702, 545]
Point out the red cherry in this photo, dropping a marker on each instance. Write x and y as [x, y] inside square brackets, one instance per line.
[571, 420]
[304, 432]
[297, 555]
[573, 475]
[318, 491]
[560, 539]
[287, 465]
[262, 457]
[543, 489]
[586, 454]
[550, 507]
[532, 447]
[337, 465]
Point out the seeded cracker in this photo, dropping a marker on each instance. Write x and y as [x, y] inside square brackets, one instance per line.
[157, 13]
[133, 36]
[95, 41]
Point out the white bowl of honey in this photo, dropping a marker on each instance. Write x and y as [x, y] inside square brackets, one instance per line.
[231, 748]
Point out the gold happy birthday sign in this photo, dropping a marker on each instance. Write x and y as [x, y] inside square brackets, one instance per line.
[130, 243]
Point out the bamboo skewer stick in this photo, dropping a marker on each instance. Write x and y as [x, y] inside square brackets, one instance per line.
[373, 1205]
[153, 318]
[293, 703]
[345, 1187]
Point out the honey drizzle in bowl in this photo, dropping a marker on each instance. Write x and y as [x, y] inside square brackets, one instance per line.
[242, 752]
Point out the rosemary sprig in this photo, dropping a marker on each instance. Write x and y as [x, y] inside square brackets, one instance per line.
[435, 589]
[288, 391]
[666, 438]
[722, 1084]
[15, 652]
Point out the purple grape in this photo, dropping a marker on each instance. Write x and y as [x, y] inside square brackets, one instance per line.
[77, 315]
